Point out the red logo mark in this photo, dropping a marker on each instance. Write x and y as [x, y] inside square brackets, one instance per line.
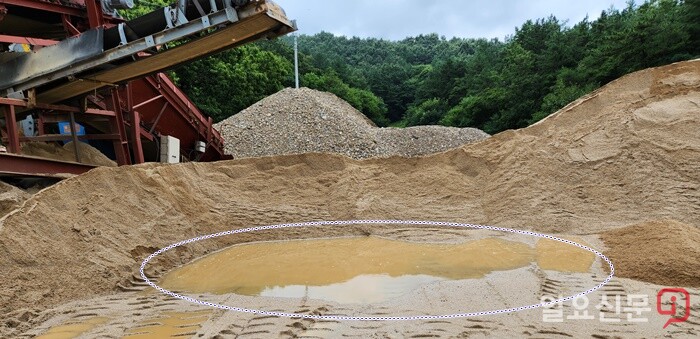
[672, 310]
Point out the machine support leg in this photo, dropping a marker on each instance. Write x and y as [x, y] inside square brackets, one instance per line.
[40, 124]
[121, 146]
[94, 11]
[74, 135]
[12, 132]
[136, 146]
[210, 130]
[136, 136]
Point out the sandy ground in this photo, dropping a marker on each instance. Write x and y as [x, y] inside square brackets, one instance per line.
[624, 156]
[134, 313]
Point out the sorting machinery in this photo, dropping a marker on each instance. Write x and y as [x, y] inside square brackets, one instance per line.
[81, 64]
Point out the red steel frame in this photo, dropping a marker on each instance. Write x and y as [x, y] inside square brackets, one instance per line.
[55, 113]
[75, 8]
[14, 165]
[153, 101]
[164, 107]
[10, 39]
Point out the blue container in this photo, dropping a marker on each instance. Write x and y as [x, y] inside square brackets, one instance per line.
[64, 128]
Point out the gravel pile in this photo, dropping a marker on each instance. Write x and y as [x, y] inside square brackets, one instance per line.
[304, 121]
[423, 140]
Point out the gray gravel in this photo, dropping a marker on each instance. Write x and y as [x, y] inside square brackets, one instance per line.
[295, 121]
[422, 140]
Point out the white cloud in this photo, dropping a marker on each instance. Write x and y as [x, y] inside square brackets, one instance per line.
[397, 19]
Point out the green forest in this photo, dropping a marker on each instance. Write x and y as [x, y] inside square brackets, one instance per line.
[493, 85]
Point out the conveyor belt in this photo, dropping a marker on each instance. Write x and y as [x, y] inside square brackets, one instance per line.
[83, 64]
[255, 26]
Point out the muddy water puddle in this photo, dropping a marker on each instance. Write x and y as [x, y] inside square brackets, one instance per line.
[170, 324]
[362, 270]
[73, 329]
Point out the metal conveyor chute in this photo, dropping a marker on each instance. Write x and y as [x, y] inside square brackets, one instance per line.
[103, 57]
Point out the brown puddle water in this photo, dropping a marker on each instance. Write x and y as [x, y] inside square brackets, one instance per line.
[170, 324]
[558, 256]
[360, 270]
[72, 330]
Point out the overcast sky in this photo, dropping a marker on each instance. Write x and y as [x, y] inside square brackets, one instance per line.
[397, 19]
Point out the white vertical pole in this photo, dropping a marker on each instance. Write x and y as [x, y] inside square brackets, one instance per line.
[296, 61]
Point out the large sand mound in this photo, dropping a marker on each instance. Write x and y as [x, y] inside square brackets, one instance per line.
[626, 154]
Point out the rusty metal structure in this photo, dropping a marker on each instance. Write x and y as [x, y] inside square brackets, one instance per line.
[79, 62]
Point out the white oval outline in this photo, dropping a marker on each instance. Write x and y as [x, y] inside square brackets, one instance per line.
[372, 222]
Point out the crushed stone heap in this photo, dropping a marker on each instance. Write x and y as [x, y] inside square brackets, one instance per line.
[308, 121]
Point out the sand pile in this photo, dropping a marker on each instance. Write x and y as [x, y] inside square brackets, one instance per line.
[627, 152]
[624, 155]
[88, 154]
[304, 121]
[10, 198]
[661, 252]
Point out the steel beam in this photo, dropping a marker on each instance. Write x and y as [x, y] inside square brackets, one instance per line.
[210, 130]
[62, 108]
[160, 115]
[141, 104]
[136, 130]
[40, 124]
[3, 11]
[136, 145]
[63, 7]
[74, 137]
[121, 146]
[68, 26]
[12, 132]
[20, 165]
[53, 7]
[53, 117]
[65, 137]
[11, 39]
[94, 13]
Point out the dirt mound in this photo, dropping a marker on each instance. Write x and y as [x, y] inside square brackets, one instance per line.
[88, 154]
[661, 252]
[626, 154]
[304, 121]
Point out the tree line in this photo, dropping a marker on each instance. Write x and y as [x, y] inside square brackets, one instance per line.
[491, 84]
